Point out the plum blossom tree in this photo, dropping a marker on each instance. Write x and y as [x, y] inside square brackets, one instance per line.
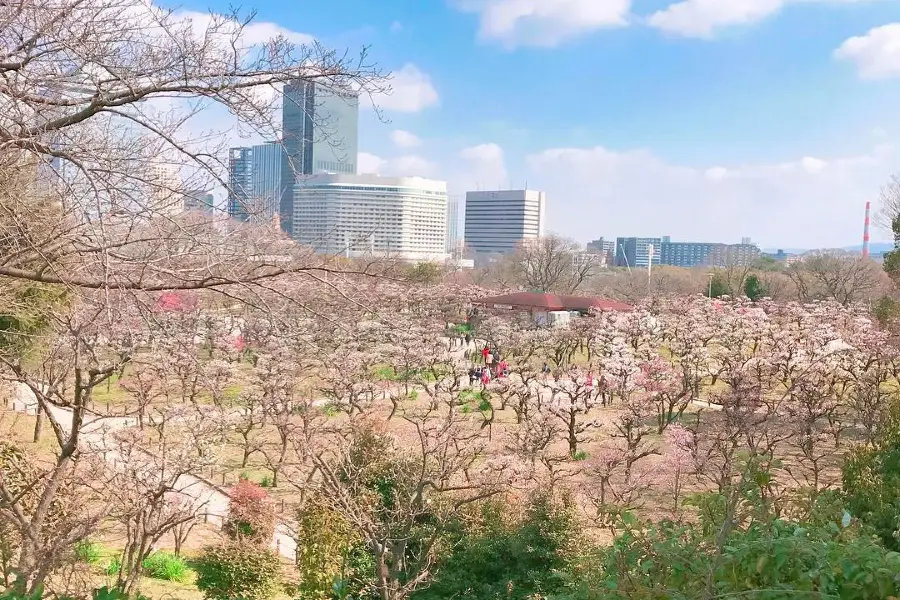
[666, 389]
[573, 395]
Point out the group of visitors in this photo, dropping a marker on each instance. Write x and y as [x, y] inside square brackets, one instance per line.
[492, 367]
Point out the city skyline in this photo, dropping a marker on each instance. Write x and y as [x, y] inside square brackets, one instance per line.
[719, 126]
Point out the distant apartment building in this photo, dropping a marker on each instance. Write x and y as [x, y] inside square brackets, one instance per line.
[369, 215]
[320, 128]
[605, 248]
[636, 252]
[166, 197]
[696, 254]
[498, 221]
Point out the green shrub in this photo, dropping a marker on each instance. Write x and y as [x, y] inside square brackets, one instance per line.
[112, 569]
[238, 570]
[871, 483]
[165, 566]
[331, 558]
[774, 560]
[89, 552]
[505, 558]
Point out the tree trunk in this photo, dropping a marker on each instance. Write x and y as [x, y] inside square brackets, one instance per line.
[573, 438]
[38, 424]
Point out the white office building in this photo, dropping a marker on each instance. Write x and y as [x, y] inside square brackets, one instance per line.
[370, 215]
[166, 195]
[498, 221]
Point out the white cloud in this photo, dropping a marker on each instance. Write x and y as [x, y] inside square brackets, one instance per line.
[396, 27]
[368, 163]
[484, 167]
[408, 165]
[701, 18]
[411, 91]
[405, 139]
[544, 22]
[257, 32]
[806, 202]
[875, 54]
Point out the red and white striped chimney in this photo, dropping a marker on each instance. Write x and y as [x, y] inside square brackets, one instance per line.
[865, 248]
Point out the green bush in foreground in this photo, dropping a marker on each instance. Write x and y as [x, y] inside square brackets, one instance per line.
[761, 560]
[166, 566]
[519, 560]
[871, 478]
[238, 570]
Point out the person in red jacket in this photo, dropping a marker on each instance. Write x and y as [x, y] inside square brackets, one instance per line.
[484, 353]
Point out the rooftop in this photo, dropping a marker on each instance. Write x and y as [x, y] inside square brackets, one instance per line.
[551, 302]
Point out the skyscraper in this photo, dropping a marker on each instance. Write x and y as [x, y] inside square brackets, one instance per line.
[240, 182]
[498, 221]
[452, 223]
[265, 179]
[321, 134]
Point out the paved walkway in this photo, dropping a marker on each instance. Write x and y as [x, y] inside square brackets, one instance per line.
[97, 434]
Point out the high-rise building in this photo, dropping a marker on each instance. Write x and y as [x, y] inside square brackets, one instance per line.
[240, 182]
[636, 252]
[166, 197]
[498, 221]
[452, 224]
[695, 254]
[265, 180]
[321, 135]
[360, 215]
[199, 201]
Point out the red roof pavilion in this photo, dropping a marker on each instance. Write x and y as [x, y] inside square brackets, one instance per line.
[550, 302]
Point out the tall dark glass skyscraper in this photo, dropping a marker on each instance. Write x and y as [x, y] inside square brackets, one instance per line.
[321, 135]
[240, 173]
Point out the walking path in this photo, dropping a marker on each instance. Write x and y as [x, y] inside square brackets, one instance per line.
[98, 434]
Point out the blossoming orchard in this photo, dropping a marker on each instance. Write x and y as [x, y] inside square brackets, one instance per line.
[621, 411]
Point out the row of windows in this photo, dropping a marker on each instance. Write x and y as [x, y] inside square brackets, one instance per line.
[366, 188]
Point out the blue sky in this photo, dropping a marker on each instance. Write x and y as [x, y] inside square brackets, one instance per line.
[705, 120]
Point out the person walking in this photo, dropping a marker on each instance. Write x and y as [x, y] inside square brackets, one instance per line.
[489, 360]
[485, 352]
[503, 369]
